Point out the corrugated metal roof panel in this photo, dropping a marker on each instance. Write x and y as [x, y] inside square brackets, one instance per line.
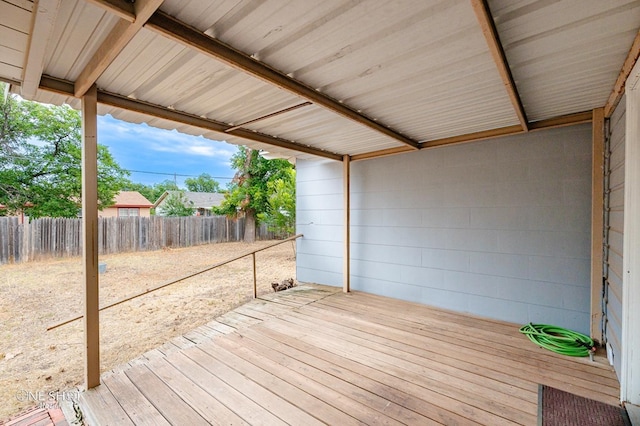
[403, 64]
[565, 56]
[420, 67]
[79, 30]
[14, 37]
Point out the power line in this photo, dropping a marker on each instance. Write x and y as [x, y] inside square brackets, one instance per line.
[174, 174]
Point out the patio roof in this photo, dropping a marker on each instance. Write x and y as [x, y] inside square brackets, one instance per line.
[314, 355]
[335, 78]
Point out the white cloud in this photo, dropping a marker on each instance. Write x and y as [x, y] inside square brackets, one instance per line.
[161, 140]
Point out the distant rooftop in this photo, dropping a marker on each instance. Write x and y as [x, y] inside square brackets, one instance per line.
[200, 200]
[131, 199]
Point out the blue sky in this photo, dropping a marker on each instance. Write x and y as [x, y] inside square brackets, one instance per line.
[144, 148]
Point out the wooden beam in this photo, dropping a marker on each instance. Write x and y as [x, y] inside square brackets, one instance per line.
[66, 88]
[182, 33]
[485, 19]
[381, 153]
[472, 137]
[346, 190]
[123, 9]
[117, 39]
[44, 17]
[271, 115]
[618, 87]
[597, 221]
[562, 121]
[565, 120]
[90, 236]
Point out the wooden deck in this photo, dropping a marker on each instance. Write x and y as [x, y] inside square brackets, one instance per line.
[314, 355]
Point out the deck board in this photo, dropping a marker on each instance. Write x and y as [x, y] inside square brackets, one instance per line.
[314, 355]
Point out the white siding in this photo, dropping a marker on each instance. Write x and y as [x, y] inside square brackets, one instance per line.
[499, 228]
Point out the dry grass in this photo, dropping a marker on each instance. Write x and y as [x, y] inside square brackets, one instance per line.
[39, 294]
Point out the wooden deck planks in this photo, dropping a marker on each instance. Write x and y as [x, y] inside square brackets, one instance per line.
[132, 401]
[526, 356]
[202, 402]
[314, 355]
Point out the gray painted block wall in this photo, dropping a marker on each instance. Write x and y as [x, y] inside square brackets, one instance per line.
[498, 228]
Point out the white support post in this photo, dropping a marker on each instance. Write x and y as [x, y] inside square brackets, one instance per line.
[90, 236]
[346, 265]
[630, 375]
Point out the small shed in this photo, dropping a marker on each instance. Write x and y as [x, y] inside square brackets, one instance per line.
[128, 204]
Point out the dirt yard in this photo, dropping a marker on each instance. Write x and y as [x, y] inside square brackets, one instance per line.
[39, 294]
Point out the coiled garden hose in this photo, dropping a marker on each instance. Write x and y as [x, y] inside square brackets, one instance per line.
[558, 339]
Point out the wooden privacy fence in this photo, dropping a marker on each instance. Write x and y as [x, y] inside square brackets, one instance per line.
[49, 237]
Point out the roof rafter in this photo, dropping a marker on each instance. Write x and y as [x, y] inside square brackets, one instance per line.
[44, 17]
[180, 32]
[485, 19]
[66, 88]
[565, 120]
[117, 39]
[618, 88]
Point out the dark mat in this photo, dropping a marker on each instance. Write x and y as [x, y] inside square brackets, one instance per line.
[559, 408]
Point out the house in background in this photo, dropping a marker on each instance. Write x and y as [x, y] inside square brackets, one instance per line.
[128, 204]
[203, 202]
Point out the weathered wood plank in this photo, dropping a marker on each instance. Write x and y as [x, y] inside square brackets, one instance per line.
[243, 406]
[138, 408]
[172, 407]
[378, 382]
[203, 402]
[481, 408]
[105, 408]
[271, 401]
[328, 393]
[353, 359]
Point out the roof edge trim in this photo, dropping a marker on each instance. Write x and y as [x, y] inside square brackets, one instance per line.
[67, 88]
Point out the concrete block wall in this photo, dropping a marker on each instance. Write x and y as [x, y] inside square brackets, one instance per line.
[498, 228]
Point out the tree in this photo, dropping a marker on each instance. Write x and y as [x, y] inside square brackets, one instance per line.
[280, 215]
[40, 161]
[249, 191]
[202, 183]
[177, 204]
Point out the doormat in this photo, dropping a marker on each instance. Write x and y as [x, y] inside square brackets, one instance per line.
[559, 408]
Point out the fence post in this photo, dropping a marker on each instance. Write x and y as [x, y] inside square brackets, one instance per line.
[255, 283]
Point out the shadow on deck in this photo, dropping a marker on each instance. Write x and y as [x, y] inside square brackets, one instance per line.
[314, 355]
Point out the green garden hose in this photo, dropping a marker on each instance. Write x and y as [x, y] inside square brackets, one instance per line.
[558, 339]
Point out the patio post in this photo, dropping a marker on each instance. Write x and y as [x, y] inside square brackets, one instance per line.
[90, 236]
[346, 263]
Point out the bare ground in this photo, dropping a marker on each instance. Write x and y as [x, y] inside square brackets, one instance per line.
[39, 294]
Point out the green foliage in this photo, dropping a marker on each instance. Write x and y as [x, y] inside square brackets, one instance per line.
[260, 189]
[281, 210]
[176, 204]
[202, 183]
[40, 161]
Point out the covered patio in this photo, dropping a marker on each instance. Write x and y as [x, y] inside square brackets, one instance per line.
[316, 355]
[481, 156]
